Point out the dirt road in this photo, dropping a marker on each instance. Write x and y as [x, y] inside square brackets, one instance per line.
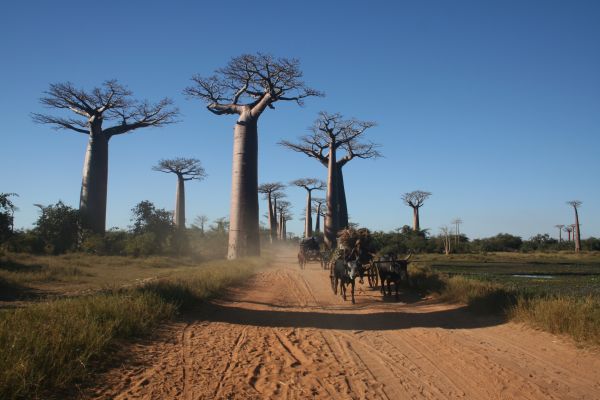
[285, 335]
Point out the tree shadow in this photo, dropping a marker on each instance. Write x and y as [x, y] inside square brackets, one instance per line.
[455, 318]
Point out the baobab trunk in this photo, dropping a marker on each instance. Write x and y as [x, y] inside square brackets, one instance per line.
[180, 203]
[318, 216]
[243, 229]
[332, 216]
[343, 206]
[416, 225]
[308, 219]
[92, 201]
[576, 235]
[275, 223]
[271, 219]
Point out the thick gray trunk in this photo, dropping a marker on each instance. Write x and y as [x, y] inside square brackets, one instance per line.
[280, 227]
[343, 206]
[308, 220]
[275, 224]
[271, 219]
[180, 203]
[576, 234]
[416, 226]
[332, 216]
[244, 228]
[318, 216]
[92, 201]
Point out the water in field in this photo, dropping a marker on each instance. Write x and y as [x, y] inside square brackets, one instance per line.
[534, 276]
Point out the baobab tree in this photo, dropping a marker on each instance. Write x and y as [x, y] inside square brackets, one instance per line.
[110, 102]
[560, 228]
[576, 234]
[319, 208]
[456, 222]
[329, 133]
[200, 221]
[277, 196]
[415, 200]
[267, 189]
[186, 169]
[445, 235]
[568, 229]
[246, 87]
[309, 184]
[283, 209]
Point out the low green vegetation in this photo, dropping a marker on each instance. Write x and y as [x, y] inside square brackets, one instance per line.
[50, 346]
[558, 293]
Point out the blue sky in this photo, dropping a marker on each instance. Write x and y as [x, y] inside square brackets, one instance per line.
[492, 106]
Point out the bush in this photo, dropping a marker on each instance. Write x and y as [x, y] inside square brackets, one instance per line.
[58, 227]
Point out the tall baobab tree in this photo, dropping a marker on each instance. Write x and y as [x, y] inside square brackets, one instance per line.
[319, 208]
[456, 222]
[200, 221]
[329, 133]
[267, 189]
[283, 209]
[110, 102]
[576, 234]
[560, 228]
[309, 184]
[186, 169]
[246, 86]
[415, 200]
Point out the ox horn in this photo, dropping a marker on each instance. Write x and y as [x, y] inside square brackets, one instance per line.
[408, 257]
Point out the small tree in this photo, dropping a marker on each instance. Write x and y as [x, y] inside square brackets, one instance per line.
[267, 189]
[200, 222]
[7, 215]
[445, 234]
[415, 200]
[154, 224]
[111, 102]
[186, 169]
[283, 209]
[58, 227]
[319, 208]
[246, 87]
[277, 196]
[309, 184]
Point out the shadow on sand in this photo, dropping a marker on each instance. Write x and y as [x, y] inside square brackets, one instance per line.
[454, 318]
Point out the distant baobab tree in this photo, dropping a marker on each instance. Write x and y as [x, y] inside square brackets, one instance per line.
[277, 196]
[329, 133]
[246, 86]
[415, 200]
[568, 229]
[560, 228]
[456, 222]
[110, 102]
[200, 221]
[186, 169]
[268, 189]
[309, 184]
[283, 209]
[319, 209]
[576, 234]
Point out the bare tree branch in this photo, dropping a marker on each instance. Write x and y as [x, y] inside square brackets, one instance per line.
[188, 168]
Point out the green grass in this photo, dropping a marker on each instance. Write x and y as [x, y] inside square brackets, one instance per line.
[49, 346]
[567, 303]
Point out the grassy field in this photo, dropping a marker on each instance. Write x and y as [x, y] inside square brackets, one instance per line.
[49, 344]
[557, 292]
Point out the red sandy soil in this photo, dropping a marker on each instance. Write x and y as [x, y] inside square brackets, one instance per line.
[285, 335]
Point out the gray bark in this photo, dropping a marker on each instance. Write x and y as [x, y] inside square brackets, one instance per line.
[271, 219]
[94, 185]
[308, 219]
[275, 225]
[318, 216]
[416, 224]
[332, 216]
[180, 203]
[576, 234]
[343, 205]
[244, 227]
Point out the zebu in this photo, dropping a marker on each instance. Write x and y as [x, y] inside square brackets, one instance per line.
[345, 273]
[391, 270]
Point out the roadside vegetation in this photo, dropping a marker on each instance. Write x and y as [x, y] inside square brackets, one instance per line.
[51, 346]
[559, 293]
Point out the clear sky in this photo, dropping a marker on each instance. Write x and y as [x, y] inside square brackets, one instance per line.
[494, 107]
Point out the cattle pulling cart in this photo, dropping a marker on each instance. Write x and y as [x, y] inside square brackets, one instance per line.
[310, 251]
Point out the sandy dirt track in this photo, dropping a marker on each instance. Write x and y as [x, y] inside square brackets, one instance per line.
[285, 335]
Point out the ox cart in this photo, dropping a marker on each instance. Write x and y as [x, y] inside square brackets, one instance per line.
[310, 251]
